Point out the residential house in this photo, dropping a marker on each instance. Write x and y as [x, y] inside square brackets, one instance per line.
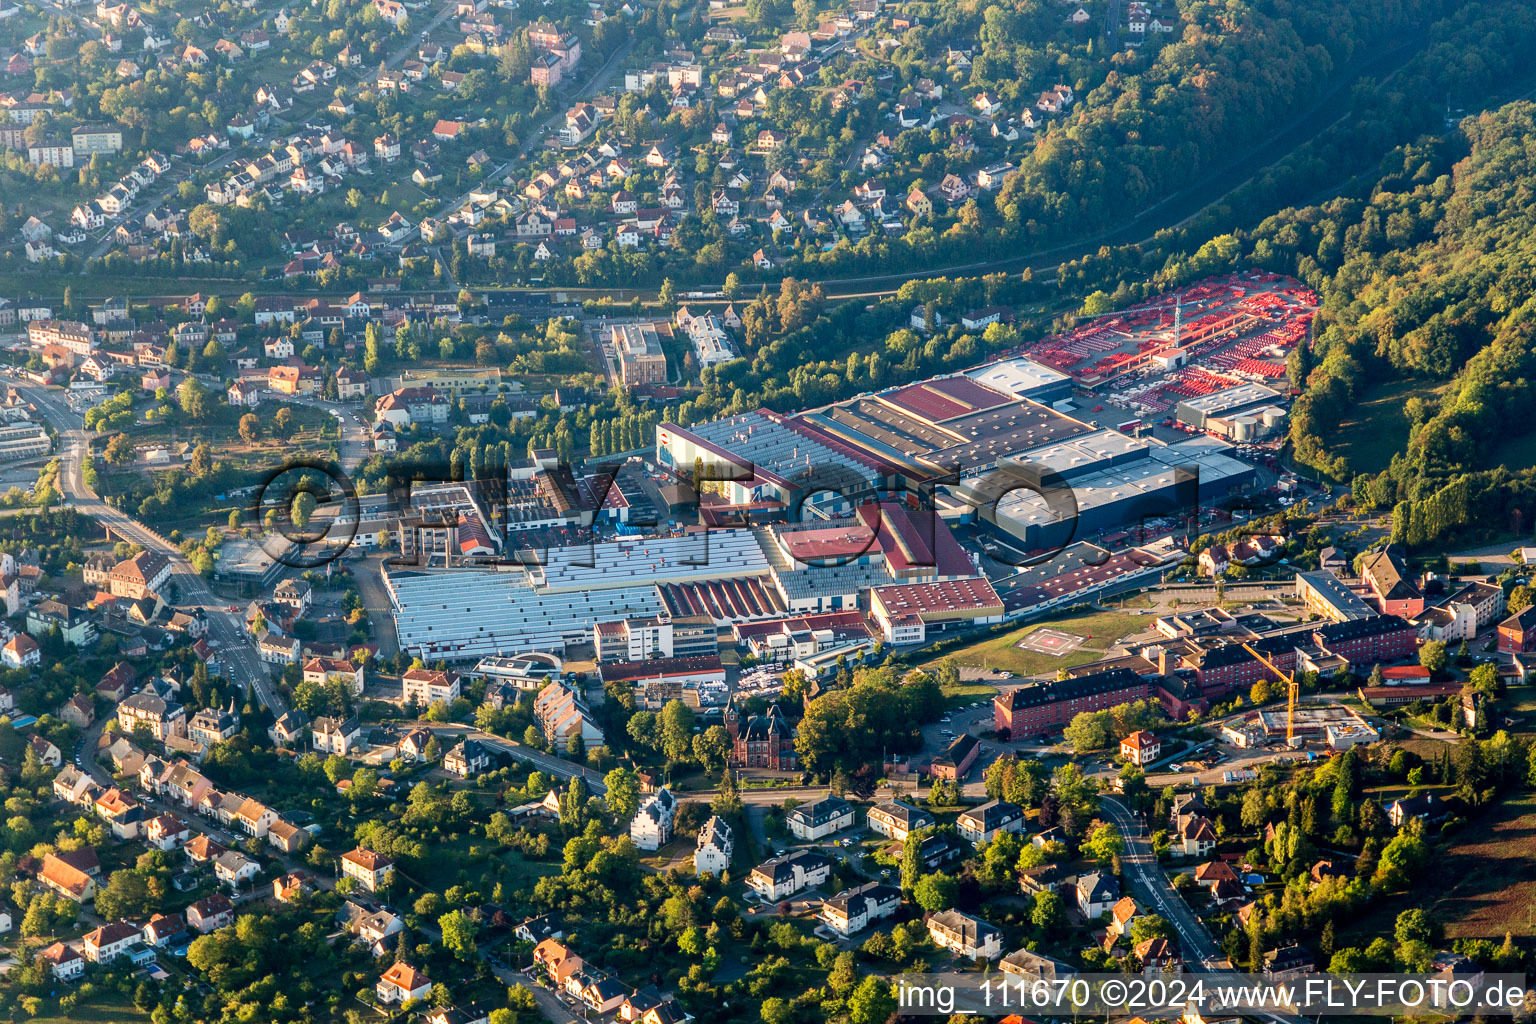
[712, 854]
[853, 910]
[965, 935]
[981, 824]
[373, 871]
[782, 877]
[211, 912]
[820, 819]
[651, 828]
[402, 983]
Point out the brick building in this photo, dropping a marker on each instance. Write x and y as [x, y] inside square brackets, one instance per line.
[1033, 710]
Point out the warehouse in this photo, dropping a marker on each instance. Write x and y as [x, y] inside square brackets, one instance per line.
[23, 441]
[467, 615]
[240, 560]
[1149, 480]
[929, 449]
[1246, 412]
[761, 457]
[908, 614]
[1024, 378]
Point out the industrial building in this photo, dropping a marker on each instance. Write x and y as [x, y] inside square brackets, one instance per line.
[908, 613]
[23, 440]
[1060, 492]
[1247, 412]
[1327, 596]
[1024, 378]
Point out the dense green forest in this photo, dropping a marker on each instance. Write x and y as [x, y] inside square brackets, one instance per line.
[1427, 283]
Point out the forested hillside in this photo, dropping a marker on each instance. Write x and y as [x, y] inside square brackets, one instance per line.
[1430, 282]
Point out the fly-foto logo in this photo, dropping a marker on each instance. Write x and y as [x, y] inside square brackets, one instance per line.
[310, 512]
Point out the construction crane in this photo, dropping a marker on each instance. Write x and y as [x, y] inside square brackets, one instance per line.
[1292, 691]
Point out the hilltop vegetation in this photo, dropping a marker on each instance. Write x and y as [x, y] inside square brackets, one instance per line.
[1429, 279]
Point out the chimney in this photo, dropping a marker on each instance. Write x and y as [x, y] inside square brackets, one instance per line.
[1162, 661]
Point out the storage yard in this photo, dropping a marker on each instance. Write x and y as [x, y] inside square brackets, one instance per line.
[1210, 336]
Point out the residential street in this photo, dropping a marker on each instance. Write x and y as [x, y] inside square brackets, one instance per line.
[235, 648]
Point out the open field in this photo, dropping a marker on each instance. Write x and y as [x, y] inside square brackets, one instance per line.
[1100, 631]
[967, 692]
[1379, 430]
[109, 1008]
[1492, 873]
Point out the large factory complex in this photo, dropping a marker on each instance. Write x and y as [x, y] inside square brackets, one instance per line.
[999, 443]
[806, 538]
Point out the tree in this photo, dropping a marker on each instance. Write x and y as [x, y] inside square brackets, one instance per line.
[458, 933]
[937, 891]
[282, 423]
[1151, 926]
[712, 748]
[1086, 731]
[872, 1002]
[912, 858]
[573, 804]
[623, 793]
[193, 399]
[1104, 843]
[125, 895]
[336, 768]
[302, 509]
[675, 724]
[1048, 912]
[1432, 656]
[250, 428]
[119, 450]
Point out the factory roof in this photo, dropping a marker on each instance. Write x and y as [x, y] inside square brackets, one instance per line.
[1020, 377]
[1229, 399]
[945, 398]
[628, 562]
[935, 598]
[462, 615]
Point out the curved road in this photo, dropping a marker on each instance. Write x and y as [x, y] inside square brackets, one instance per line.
[235, 647]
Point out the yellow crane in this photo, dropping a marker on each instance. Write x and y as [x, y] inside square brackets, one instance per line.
[1292, 691]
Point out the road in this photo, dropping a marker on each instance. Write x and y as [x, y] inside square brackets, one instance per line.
[1150, 885]
[546, 763]
[226, 628]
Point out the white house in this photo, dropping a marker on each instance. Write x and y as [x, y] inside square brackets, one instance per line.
[981, 824]
[784, 876]
[853, 910]
[651, 828]
[820, 819]
[966, 936]
[712, 855]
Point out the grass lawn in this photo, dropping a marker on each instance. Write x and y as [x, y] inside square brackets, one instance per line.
[1102, 630]
[967, 693]
[1485, 880]
[1379, 430]
[108, 1008]
[1520, 704]
[1515, 453]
